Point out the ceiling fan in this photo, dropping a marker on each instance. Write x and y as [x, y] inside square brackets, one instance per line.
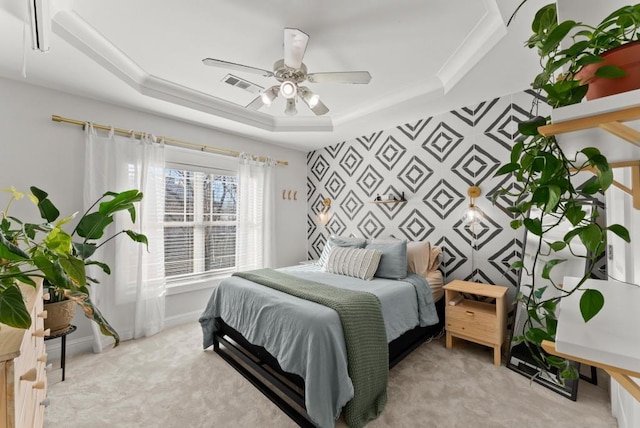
[291, 72]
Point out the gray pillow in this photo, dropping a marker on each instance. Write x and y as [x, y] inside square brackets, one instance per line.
[339, 241]
[356, 262]
[393, 264]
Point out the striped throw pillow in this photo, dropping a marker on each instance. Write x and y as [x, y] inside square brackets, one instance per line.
[356, 262]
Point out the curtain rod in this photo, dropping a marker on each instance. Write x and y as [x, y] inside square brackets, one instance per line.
[170, 141]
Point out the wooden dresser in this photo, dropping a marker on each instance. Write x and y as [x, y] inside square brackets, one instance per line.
[23, 380]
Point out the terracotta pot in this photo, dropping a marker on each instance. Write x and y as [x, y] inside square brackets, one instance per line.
[59, 315]
[627, 57]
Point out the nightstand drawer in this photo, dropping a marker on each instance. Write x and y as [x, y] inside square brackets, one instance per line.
[473, 319]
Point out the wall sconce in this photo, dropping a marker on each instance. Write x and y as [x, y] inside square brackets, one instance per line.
[472, 214]
[323, 216]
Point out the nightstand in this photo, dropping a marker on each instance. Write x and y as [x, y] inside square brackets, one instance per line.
[478, 321]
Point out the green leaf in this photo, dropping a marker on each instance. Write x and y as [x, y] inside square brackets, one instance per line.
[621, 231]
[517, 265]
[591, 302]
[13, 311]
[539, 292]
[138, 237]
[575, 214]
[555, 37]
[533, 225]
[84, 251]
[575, 49]
[105, 267]
[591, 188]
[589, 59]
[552, 325]
[48, 211]
[93, 313]
[591, 236]
[65, 220]
[558, 245]
[515, 224]
[75, 269]
[58, 241]
[610, 72]
[53, 271]
[516, 150]
[38, 193]
[92, 225]
[530, 127]
[120, 202]
[507, 168]
[537, 335]
[554, 198]
[546, 270]
[10, 251]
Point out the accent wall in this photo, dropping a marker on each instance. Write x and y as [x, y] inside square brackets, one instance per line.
[433, 162]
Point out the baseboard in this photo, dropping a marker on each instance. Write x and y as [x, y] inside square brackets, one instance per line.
[74, 346]
[176, 320]
[85, 344]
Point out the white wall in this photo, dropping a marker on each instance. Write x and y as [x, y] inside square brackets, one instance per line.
[50, 155]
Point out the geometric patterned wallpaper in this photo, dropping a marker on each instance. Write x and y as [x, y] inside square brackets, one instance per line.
[433, 161]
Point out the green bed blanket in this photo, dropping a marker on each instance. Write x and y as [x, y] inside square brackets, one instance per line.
[364, 333]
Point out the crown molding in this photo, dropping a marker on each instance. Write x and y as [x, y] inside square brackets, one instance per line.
[76, 31]
[480, 40]
[72, 28]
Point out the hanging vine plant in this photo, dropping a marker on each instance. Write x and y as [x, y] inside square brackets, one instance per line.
[546, 173]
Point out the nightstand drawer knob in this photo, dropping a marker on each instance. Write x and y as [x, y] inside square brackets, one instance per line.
[42, 358]
[43, 315]
[469, 313]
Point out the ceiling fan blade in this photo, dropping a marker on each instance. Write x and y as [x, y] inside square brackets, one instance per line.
[238, 67]
[295, 44]
[312, 101]
[264, 99]
[359, 77]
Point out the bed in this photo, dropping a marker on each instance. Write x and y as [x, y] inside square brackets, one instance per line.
[294, 350]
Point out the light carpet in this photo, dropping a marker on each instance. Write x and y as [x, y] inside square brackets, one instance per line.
[168, 381]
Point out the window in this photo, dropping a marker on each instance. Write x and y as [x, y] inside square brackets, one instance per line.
[200, 221]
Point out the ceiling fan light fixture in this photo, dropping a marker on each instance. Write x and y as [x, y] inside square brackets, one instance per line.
[288, 89]
[290, 110]
[313, 100]
[268, 96]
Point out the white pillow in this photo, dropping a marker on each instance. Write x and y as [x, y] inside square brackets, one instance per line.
[338, 241]
[356, 262]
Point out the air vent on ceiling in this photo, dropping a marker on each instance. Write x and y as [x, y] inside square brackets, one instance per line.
[242, 84]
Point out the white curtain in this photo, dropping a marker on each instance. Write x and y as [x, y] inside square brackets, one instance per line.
[132, 297]
[256, 219]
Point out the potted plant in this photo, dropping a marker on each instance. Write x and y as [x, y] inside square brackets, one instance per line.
[544, 172]
[46, 250]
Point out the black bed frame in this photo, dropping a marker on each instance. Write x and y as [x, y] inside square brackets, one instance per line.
[286, 390]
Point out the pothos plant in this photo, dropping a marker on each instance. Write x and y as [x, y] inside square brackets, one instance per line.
[46, 250]
[545, 173]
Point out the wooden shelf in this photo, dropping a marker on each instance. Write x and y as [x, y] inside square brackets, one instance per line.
[393, 201]
[612, 123]
[622, 376]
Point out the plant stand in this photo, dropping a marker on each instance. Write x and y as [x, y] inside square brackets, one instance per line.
[63, 349]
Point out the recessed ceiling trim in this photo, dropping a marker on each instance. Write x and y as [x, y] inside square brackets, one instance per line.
[77, 32]
[430, 89]
[484, 36]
